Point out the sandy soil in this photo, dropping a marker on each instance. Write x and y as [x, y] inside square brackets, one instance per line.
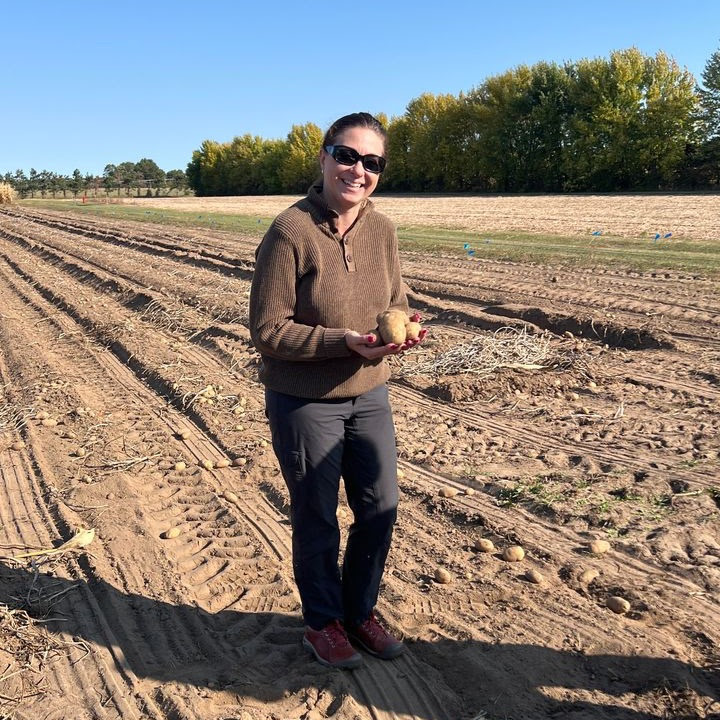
[126, 370]
[685, 216]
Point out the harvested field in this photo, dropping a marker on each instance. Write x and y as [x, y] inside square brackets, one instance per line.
[685, 216]
[550, 408]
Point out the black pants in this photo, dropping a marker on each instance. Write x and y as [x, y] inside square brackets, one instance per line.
[317, 442]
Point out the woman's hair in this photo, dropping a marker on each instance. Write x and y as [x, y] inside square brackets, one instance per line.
[346, 122]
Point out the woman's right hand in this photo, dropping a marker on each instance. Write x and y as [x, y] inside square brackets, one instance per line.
[365, 345]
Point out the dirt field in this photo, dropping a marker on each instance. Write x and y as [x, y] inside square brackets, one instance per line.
[125, 365]
[685, 216]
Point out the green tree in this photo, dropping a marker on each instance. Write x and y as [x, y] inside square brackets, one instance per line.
[710, 96]
[148, 174]
[301, 162]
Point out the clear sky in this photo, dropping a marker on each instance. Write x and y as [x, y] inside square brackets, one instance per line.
[87, 84]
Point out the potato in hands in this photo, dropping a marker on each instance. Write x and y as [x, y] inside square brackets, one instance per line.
[395, 326]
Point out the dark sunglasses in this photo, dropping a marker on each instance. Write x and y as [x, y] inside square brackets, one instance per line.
[345, 155]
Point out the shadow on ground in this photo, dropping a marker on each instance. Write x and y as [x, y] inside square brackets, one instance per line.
[259, 657]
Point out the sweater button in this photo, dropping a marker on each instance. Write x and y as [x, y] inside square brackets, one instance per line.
[348, 258]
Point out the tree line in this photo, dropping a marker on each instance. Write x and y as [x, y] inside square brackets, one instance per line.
[626, 122]
[128, 178]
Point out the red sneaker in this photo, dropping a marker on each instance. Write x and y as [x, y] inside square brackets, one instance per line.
[374, 638]
[331, 646]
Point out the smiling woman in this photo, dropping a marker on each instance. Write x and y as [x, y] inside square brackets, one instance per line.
[326, 268]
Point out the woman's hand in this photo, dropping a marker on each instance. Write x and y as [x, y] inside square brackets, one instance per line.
[364, 344]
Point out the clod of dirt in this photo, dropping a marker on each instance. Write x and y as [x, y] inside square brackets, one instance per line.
[80, 452]
[513, 553]
[598, 547]
[443, 576]
[448, 492]
[484, 545]
[48, 422]
[173, 532]
[239, 461]
[180, 466]
[43, 415]
[17, 445]
[618, 605]
[534, 576]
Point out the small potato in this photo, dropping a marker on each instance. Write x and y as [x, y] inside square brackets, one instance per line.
[208, 464]
[49, 422]
[534, 576]
[618, 605]
[391, 325]
[222, 464]
[587, 576]
[80, 452]
[412, 330]
[171, 533]
[448, 492]
[43, 415]
[513, 553]
[180, 466]
[485, 545]
[230, 496]
[239, 461]
[18, 445]
[598, 547]
[443, 576]
[184, 434]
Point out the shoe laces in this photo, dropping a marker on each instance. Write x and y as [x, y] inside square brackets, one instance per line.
[335, 634]
[374, 628]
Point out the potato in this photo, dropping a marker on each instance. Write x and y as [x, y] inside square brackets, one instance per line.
[222, 463]
[618, 605]
[80, 452]
[485, 545]
[598, 547]
[180, 466]
[184, 434]
[587, 576]
[513, 553]
[534, 576]
[48, 422]
[18, 445]
[448, 492]
[171, 533]
[239, 461]
[208, 464]
[412, 330]
[443, 576]
[230, 496]
[391, 325]
[43, 415]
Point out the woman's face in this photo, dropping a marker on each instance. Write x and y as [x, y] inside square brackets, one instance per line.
[346, 186]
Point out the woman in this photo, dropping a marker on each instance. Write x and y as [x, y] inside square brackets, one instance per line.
[324, 270]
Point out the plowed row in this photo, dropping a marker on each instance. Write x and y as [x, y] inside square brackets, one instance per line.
[128, 391]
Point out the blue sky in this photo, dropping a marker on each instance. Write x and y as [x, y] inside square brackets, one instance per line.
[87, 84]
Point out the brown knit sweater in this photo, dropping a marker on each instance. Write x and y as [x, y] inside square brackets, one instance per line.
[310, 286]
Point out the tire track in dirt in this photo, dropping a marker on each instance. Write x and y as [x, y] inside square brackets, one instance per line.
[98, 670]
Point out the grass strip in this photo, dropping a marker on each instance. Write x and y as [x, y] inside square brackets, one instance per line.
[642, 254]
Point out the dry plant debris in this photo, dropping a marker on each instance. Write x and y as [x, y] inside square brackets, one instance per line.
[483, 355]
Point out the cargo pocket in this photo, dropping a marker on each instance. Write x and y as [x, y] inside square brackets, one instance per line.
[295, 460]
